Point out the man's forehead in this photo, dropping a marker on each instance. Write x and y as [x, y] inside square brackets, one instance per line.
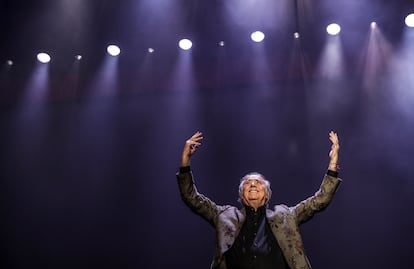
[254, 177]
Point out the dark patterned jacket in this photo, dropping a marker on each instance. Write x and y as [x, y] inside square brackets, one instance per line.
[283, 220]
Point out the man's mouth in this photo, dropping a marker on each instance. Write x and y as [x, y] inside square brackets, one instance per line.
[254, 191]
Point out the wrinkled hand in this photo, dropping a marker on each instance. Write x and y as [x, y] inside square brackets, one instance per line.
[190, 147]
[334, 153]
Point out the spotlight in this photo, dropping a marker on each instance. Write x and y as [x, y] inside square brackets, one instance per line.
[333, 29]
[221, 43]
[43, 57]
[9, 62]
[113, 50]
[78, 57]
[151, 50]
[185, 44]
[296, 35]
[409, 20]
[257, 36]
[373, 25]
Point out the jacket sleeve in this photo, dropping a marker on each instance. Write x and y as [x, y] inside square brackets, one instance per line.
[305, 210]
[197, 202]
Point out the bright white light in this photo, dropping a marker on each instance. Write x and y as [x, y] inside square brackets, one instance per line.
[409, 20]
[9, 62]
[257, 36]
[296, 35]
[113, 50]
[78, 57]
[151, 50]
[333, 29]
[373, 25]
[185, 44]
[221, 43]
[43, 57]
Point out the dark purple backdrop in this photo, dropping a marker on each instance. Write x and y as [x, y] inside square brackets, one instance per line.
[88, 181]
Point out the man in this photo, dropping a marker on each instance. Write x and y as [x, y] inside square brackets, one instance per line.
[256, 237]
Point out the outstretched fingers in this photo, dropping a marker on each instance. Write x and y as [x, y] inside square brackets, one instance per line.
[334, 138]
[333, 154]
[194, 142]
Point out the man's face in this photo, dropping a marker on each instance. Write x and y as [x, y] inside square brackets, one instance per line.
[254, 191]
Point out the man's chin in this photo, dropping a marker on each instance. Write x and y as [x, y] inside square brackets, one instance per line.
[254, 201]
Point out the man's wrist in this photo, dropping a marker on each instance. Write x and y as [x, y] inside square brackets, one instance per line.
[185, 161]
[334, 166]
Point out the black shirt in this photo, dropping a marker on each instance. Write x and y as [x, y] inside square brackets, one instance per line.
[255, 247]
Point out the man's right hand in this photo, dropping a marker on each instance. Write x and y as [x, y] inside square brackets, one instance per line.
[333, 154]
[190, 147]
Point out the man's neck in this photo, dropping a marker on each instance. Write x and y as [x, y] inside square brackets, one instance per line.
[255, 206]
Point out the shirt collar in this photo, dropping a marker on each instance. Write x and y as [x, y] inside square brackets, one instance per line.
[250, 210]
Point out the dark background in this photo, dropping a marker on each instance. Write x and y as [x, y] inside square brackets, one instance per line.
[88, 177]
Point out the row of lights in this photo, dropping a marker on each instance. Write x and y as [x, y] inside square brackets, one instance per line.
[114, 50]
[186, 44]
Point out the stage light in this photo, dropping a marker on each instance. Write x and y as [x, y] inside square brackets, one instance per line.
[373, 25]
[151, 50]
[221, 43]
[409, 20]
[296, 35]
[257, 36]
[78, 57]
[9, 62]
[185, 44]
[43, 57]
[113, 50]
[333, 29]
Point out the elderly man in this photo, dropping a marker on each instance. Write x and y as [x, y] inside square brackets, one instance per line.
[256, 237]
